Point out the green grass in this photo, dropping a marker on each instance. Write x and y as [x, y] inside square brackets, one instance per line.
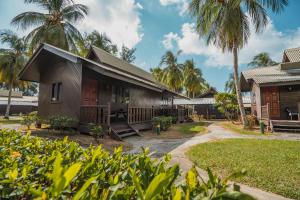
[272, 165]
[238, 129]
[192, 128]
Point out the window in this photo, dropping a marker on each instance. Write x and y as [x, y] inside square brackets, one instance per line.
[56, 90]
[120, 95]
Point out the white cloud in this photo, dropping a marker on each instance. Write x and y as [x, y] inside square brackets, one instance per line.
[182, 5]
[169, 39]
[271, 41]
[120, 20]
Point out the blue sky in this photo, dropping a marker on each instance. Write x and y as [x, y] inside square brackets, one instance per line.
[154, 26]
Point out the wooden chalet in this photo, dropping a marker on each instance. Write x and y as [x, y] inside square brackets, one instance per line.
[275, 92]
[99, 89]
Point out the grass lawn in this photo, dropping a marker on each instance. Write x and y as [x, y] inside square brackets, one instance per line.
[192, 128]
[237, 128]
[272, 165]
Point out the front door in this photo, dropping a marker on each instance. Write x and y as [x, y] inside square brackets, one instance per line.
[89, 92]
[271, 96]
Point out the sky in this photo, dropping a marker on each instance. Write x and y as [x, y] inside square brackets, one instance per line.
[155, 26]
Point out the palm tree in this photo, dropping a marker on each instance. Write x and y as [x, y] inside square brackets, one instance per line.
[229, 85]
[172, 73]
[262, 60]
[225, 24]
[192, 77]
[100, 40]
[55, 26]
[12, 61]
[127, 54]
[157, 73]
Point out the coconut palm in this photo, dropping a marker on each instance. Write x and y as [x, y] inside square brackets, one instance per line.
[100, 40]
[127, 54]
[157, 73]
[229, 85]
[12, 61]
[55, 26]
[172, 73]
[262, 60]
[225, 24]
[192, 77]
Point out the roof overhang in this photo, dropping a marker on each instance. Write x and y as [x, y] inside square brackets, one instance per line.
[44, 55]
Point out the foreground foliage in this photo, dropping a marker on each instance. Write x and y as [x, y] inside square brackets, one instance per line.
[272, 165]
[31, 167]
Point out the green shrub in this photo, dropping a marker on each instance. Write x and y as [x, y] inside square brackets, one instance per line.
[27, 121]
[96, 131]
[61, 123]
[163, 121]
[36, 168]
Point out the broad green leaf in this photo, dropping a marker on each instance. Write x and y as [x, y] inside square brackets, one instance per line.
[137, 184]
[84, 187]
[177, 195]
[191, 179]
[71, 173]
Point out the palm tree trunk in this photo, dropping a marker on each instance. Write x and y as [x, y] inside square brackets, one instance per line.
[6, 116]
[238, 87]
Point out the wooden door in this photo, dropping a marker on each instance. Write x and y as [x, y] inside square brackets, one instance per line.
[271, 96]
[89, 92]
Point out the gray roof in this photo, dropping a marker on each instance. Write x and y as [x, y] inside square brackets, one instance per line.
[129, 71]
[270, 75]
[204, 101]
[293, 54]
[115, 62]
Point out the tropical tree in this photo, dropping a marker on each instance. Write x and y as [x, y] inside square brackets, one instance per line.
[55, 26]
[192, 77]
[262, 60]
[100, 40]
[157, 73]
[127, 54]
[225, 24]
[229, 85]
[172, 73]
[12, 60]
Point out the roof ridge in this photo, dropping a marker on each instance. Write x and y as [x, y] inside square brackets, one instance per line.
[120, 59]
[291, 49]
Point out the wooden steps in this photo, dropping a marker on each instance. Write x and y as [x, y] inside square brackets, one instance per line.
[122, 130]
[285, 125]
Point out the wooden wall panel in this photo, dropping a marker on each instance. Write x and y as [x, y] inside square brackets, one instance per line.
[69, 74]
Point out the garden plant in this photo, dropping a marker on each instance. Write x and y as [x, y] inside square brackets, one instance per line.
[36, 168]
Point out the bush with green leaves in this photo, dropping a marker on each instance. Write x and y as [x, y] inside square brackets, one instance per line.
[164, 122]
[36, 168]
[59, 122]
[96, 130]
[227, 104]
[29, 119]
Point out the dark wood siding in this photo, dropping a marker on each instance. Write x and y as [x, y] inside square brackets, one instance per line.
[69, 74]
[139, 96]
[209, 111]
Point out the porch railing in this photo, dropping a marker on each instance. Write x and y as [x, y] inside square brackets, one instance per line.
[145, 114]
[98, 114]
[265, 112]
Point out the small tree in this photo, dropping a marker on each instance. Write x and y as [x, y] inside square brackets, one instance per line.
[96, 131]
[227, 104]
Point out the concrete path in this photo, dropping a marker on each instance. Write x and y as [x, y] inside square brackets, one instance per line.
[215, 133]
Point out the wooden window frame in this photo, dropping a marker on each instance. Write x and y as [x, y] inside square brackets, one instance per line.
[56, 91]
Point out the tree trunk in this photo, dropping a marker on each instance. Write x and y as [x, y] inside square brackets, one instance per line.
[238, 87]
[6, 116]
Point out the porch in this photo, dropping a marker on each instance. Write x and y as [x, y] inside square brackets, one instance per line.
[124, 123]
